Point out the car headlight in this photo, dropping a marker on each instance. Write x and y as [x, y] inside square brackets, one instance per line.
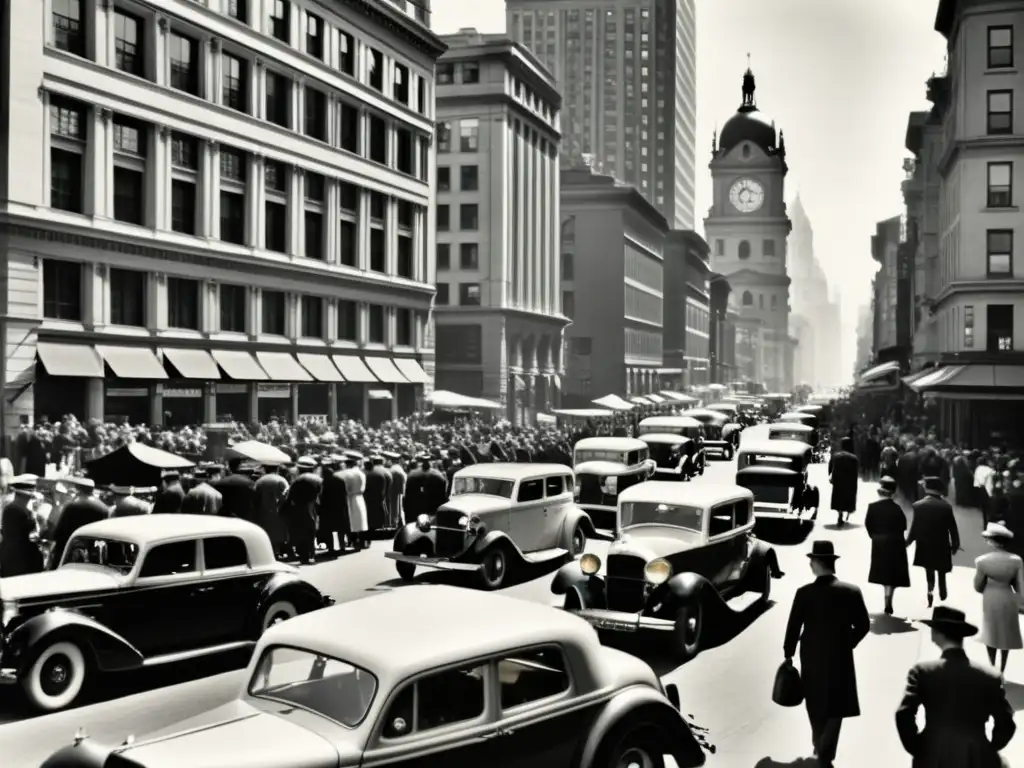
[658, 571]
[423, 522]
[464, 521]
[576, 489]
[590, 564]
[611, 485]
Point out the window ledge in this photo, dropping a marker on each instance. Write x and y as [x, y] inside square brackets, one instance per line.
[1001, 71]
[1001, 209]
[1000, 276]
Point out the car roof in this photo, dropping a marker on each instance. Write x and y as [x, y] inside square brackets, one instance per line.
[147, 528]
[449, 624]
[789, 426]
[693, 494]
[610, 444]
[703, 412]
[683, 422]
[775, 447]
[512, 471]
[761, 469]
[723, 406]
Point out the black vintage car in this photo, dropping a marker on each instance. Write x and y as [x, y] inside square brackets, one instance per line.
[143, 591]
[775, 471]
[715, 441]
[676, 445]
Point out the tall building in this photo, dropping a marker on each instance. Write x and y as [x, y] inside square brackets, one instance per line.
[687, 332]
[865, 338]
[627, 70]
[747, 226]
[210, 213]
[885, 246]
[498, 310]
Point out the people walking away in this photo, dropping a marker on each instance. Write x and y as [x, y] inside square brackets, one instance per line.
[959, 697]
[332, 507]
[396, 490]
[934, 530]
[908, 473]
[828, 620]
[130, 501]
[19, 551]
[983, 487]
[355, 486]
[437, 488]
[171, 495]
[414, 502]
[375, 496]
[963, 480]
[270, 491]
[238, 492]
[886, 524]
[998, 575]
[844, 473]
[202, 498]
[82, 509]
[300, 513]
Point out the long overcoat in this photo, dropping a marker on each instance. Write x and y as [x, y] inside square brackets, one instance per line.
[845, 473]
[169, 500]
[202, 499]
[933, 528]
[828, 620]
[886, 524]
[963, 481]
[239, 496]
[908, 473]
[435, 487]
[378, 481]
[19, 555]
[80, 511]
[414, 502]
[270, 491]
[300, 506]
[332, 508]
[355, 487]
[395, 493]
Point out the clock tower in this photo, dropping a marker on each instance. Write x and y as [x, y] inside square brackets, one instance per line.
[746, 228]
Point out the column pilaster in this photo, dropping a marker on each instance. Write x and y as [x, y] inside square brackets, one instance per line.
[297, 214]
[211, 190]
[331, 222]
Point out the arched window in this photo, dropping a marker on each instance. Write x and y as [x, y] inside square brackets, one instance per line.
[748, 299]
[746, 150]
[775, 302]
[744, 249]
[760, 300]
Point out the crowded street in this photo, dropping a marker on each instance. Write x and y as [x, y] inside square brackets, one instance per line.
[726, 689]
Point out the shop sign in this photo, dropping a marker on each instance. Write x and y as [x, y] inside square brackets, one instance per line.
[274, 391]
[317, 418]
[231, 389]
[180, 393]
[140, 392]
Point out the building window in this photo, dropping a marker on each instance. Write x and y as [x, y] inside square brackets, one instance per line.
[316, 114]
[233, 173]
[568, 266]
[469, 294]
[442, 298]
[314, 223]
[183, 206]
[1000, 112]
[444, 138]
[279, 18]
[469, 178]
[348, 320]
[314, 36]
[62, 290]
[469, 217]
[275, 177]
[348, 128]
[969, 327]
[999, 250]
[999, 324]
[568, 304]
[444, 178]
[233, 309]
[184, 63]
[279, 97]
[376, 330]
[130, 140]
[719, 247]
[68, 29]
[128, 296]
[421, 95]
[404, 257]
[403, 327]
[403, 151]
[378, 241]
[1000, 185]
[768, 248]
[444, 256]
[1000, 47]
[235, 87]
[470, 72]
[443, 218]
[238, 10]
[445, 74]
[744, 249]
[376, 70]
[312, 317]
[760, 301]
[68, 136]
[469, 135]
[183, 303]
[378, 139]
[128, 50]
[346, 53]
[469, 256]
[401, 94]
[273, 313]
[748, 299]
[184, 183]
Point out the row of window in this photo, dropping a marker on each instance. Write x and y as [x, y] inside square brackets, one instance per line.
[999, 253]
[469, 217]
[64, 292]
[640, 305]
[469, 256]
[747, 300]
[643, 268]
[998, 327]
[999, 115]
[468, 295]
[469, 178]
[469, 136]
[1000, 47]
[743, 249]
[643, 344]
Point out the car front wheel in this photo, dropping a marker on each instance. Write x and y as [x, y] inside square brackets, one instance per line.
[493, 567]
[636, 749]
[686, 636]
[578, 542]
[57, 677]
[278, 611]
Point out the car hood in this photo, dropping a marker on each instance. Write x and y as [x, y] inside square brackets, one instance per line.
[600, 468]
[477, 503]
[664, 438]
[650, 542]
[68, 580]
[238, 734]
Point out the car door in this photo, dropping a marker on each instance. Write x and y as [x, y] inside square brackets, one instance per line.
[557, 502]
[228, 589]
[743, 545]
[528, 515]
[720, 550]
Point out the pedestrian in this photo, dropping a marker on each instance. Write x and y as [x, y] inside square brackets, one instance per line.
[998, 574]
[130, 501]
[375, 496]
[82, 509]
[171, 495]
[396, 490]
[934, 530]
[844, 473]
[269, 491]
[355, 486]
[886, 524]
[908, 473]
[332, 507]
[238, 492]
[828, 620]
[963, 479]
[300, 510]
[202, 498]
[19, 552]
[959, 698]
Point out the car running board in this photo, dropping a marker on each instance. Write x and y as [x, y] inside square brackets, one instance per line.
[545, 555]
[196, 653]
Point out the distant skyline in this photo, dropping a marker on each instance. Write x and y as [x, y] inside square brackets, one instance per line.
[838, 77]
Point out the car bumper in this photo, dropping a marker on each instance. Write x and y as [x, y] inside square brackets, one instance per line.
[717, 445]
[775, 511]
[438, 563]
[617, 621]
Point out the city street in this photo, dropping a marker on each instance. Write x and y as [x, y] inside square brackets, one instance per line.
[726, 688]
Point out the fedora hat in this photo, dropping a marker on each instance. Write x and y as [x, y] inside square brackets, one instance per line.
[933, 485]
[823, 550]
[886, 486]
[950, 621]
[997, 531]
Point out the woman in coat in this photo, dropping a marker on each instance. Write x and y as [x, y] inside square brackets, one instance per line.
[844, 473]
[998, 574]
[886, 524]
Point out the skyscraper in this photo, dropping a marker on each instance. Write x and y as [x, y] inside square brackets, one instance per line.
[627, 70]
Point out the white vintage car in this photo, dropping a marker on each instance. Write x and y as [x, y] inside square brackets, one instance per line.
[498, 514]
[604, 467]
[477, 680]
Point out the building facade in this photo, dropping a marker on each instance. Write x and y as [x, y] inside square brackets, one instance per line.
[229, 213]
[498, 310]
[627, 70]
[722, 331]
[885, 247]
[613, 287]
[687, 332]
[747, 226]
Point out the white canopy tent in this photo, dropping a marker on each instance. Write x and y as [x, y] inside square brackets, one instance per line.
[443, 399]
[257, 452]
[679, 397]
[584, 413]
[613, 402]
[641, 400]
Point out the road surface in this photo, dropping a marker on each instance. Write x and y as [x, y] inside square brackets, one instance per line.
[726, 689]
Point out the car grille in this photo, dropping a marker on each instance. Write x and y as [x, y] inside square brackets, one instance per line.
[450, 538]
[663, 456]
[590, 491]
[626, 586]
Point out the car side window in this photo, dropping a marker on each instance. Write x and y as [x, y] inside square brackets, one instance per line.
[721, 520]
[531, 490]
[171, 559]
[224, 552]
[742, 513]
[443, 698]
[553, 486]
[533, 675]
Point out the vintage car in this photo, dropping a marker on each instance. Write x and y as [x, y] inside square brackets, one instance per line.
[775, 471]
[605, 466]
[680, 549]
[676, 444]
[488, 681]
[135, 592]
[498, 515]
[714, 423]
[735, 421]
[792, 430]
[799, 417]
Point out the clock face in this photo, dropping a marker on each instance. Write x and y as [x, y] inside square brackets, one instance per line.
[746, 195]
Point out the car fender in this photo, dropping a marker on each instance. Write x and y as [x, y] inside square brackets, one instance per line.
[292, 588]
[572, 517]
[496, 538]
[763, 556]
[411, 540]
[688, 587]
[641, 705]
[110, 651]
[84, 753]
[589, 591]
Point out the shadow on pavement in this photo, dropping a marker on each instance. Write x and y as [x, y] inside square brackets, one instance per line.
[519, 574]
[800, 762]
[783, 532]
[883, 624]
[847, 526]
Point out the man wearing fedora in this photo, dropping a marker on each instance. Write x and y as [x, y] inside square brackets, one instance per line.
[959, 698]
[828, 620]
[934, 529]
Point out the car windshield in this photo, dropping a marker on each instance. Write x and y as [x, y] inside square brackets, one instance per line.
[592, 455]
[653, 513]
[327, 686]
[108, 553]
[489, 486]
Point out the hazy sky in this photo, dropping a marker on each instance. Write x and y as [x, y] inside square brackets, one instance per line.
[838, 76]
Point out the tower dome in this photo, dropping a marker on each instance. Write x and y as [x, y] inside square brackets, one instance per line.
[749, 123]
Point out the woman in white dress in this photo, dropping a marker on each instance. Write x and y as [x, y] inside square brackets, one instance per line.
[998, 575]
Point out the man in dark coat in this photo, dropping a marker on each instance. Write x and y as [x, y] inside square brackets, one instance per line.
[238, 492]
[270, 490]
[886, 524]
[82, 509]
[934, 530]
[332, 508]
[436, 489]
[959, 697]
[19, 552]
[963, 480]
[130, 501]
[908, 473]
[202, 498]
[378, 483]
[31, 453]
[844, 473]
[414, 503]
[171, 495]
[828, 620]
[299, 507]
[396, 490]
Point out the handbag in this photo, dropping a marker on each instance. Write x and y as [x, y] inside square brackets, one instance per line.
[788, 690]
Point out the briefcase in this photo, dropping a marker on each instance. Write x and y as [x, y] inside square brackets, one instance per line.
[788, 690]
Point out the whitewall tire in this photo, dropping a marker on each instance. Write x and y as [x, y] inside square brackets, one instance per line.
[278, 611]
[56, 678]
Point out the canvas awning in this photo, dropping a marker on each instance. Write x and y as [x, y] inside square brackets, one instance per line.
[193, 363]
[641, 400]
[70, 360]
[966, 378]
[935, 378]
[584, 413]
[384, 369]
[354, 369]
[238, 365]
[656, 399]
[679, 397]
[320, 366]
[442, 398]
[379, 394]
[878, 372]
[133, 362]
[19, 384]
[614, 402]
[412, 370]
[282, 366]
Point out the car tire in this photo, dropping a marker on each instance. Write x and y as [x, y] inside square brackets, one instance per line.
[688, 631]
[636, 748]
[578, 541]
[493, 568]
[56, 677]
[406, 571]
[278, 611]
